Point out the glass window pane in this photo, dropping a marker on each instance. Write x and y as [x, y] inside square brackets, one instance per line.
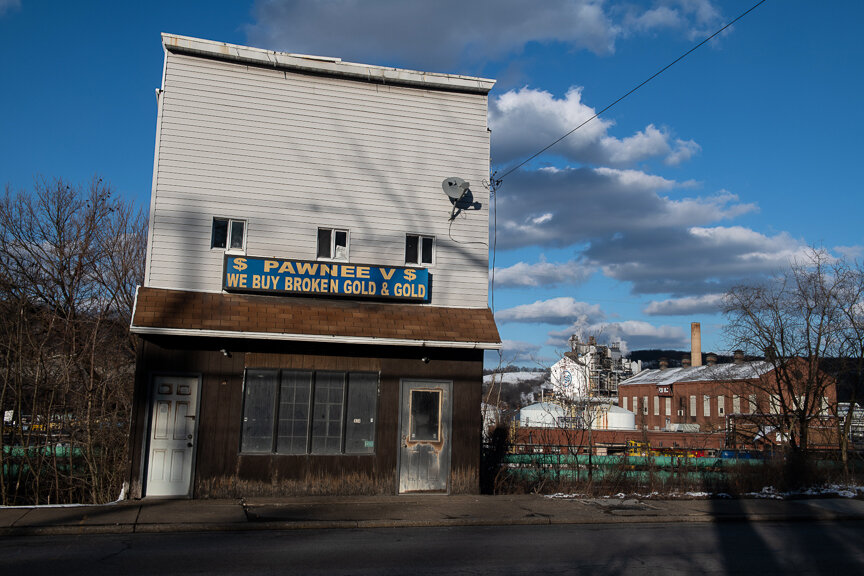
[411, 249]
[341, 238]
[220, 233]
[324, 242]
[258, 414]
[361, 410]
[237, 234]
[425, 410]
[427, 250]
[341, 245]
[327, 413]
[294, 412]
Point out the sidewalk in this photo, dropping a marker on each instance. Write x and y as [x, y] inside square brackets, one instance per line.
[162, 515]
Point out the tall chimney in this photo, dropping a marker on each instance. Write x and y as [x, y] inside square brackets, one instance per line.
[695, 344]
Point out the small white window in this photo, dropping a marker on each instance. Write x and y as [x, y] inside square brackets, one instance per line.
[228, 234]
[419, 250]
[332, 244]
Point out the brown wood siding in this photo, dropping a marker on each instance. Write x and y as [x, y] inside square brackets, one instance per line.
[220, 469]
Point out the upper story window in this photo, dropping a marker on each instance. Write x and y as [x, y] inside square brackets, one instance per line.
[419, 250]
[332, 244]
[229, 234]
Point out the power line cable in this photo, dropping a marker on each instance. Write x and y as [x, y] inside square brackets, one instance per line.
[643, 83]
[494, 183]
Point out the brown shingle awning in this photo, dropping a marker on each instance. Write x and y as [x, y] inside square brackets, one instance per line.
[176, 312]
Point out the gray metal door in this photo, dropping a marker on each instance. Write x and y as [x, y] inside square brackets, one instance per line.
[425, 422]
[172, 435]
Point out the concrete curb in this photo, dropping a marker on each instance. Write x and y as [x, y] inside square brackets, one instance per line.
[605, 519]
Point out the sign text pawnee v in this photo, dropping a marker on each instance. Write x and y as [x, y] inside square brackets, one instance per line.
[301, 277]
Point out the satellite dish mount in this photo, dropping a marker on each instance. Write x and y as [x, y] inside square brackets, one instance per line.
[459, 193]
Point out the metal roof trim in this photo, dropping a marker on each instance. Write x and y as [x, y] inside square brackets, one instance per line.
[326, 66]
[323, 338]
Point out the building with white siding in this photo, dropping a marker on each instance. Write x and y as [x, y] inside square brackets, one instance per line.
[311, 319]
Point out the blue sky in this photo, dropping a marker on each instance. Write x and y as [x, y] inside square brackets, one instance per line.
[720, 171]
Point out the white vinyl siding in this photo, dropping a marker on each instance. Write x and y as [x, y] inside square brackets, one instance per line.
[289, 153]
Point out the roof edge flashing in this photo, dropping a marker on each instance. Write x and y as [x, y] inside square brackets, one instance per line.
[321, 65]
[320, 338]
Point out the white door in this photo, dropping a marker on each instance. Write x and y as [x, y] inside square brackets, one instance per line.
[174, 405]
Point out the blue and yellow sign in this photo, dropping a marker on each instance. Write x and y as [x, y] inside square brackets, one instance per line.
[278, 276]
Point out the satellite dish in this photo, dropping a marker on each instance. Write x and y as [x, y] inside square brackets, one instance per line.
[454, 187]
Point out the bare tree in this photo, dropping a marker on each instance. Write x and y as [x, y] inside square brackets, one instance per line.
[72, 256]
[796, 321]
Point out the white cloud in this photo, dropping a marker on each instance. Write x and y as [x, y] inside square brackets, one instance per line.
[526, 120]
[429, 35]
[9, 6]
[513, 351]
[545, 274]
[688, 306]
[683, 151]
[562, 310]
[695, 18]
[580, 205]
[631, 334]
[692, 261]
[447, 33]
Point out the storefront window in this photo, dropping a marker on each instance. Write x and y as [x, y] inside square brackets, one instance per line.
[318, 412]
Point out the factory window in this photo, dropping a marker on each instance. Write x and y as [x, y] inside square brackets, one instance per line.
[332, 244]
[774, 404]
[736, 404]
[419, 250]
[692, 405]
[706, 405]
[644, 405]
[752, 401]
[303, 412]
[721, 405]
[656, 405]
[228, 234]
[668, 406]
[624, 400]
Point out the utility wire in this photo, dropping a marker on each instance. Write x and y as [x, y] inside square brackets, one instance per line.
[693, 49]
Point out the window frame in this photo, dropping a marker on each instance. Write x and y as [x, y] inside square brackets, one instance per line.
[420, 263]
[332, 251]
[227, 248]
[353, 409]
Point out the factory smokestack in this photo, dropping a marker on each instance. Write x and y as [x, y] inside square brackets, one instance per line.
[695, 344]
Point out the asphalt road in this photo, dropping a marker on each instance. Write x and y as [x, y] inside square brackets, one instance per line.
[693, 548]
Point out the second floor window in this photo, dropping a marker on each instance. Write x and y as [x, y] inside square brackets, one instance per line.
[419, 250]
[229, 234]
[332, 244]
